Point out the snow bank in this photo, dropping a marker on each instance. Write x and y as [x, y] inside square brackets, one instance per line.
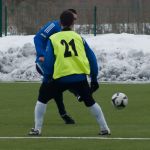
[121, 57]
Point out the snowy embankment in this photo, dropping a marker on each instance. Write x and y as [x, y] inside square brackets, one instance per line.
[121, 57]
[17, 59]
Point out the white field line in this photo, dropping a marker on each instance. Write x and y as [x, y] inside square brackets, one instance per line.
[80, 138]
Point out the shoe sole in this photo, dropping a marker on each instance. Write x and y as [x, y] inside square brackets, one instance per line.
[106, 133]
[34, 134]
[69, 122]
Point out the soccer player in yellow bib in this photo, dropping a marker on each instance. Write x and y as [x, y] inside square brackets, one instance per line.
[68, 61]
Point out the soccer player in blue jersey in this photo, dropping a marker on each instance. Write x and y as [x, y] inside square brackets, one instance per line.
[40, 41]
[42, 36]
[68, 61]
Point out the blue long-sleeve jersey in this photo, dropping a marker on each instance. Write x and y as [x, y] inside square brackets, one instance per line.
[48, 65]
[42, 36]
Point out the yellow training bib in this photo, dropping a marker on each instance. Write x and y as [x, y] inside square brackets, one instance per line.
[70, 56]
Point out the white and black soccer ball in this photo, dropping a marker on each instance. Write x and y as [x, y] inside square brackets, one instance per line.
[119, 100]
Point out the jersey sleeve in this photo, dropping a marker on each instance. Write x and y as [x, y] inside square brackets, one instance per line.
[92, 60]
[49, 60]
[42, 36]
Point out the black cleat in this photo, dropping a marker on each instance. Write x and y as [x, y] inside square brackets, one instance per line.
[105, 132]
[68, 119]
[34, 132]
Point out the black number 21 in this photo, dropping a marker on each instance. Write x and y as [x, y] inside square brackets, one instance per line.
[67, 51]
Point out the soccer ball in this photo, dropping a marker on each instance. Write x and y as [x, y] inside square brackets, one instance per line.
[119, 100]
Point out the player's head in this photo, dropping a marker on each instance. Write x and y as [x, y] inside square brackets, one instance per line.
[74, 13]
[67, 19]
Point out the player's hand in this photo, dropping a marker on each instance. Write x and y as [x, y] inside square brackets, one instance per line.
[94, 86]
[41, 59]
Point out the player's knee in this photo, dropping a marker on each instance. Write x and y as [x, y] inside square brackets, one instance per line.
[43, 101]
[89, 102]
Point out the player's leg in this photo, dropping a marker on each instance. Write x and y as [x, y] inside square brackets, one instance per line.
[83, 89]
[61, 108]
[58, 99]
[40, 107]
[39, 111]
[79, 98]
[98, 113]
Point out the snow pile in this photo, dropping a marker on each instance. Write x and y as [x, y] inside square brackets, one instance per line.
[17, 56]
[131, 66]
[121, 57]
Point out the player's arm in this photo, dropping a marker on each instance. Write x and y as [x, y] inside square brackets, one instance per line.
[41, 38]
[39, 46]
[48, 64]
[92, 60]
[93, 66]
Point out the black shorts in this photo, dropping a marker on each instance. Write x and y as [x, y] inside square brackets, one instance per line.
[53, 89]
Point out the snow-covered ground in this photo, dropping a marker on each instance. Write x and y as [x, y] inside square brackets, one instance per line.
[121, 57]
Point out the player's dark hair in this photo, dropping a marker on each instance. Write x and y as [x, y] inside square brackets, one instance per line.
[73, 11]
[66, 18]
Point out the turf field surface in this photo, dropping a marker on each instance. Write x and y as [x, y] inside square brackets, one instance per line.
[130, 127]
